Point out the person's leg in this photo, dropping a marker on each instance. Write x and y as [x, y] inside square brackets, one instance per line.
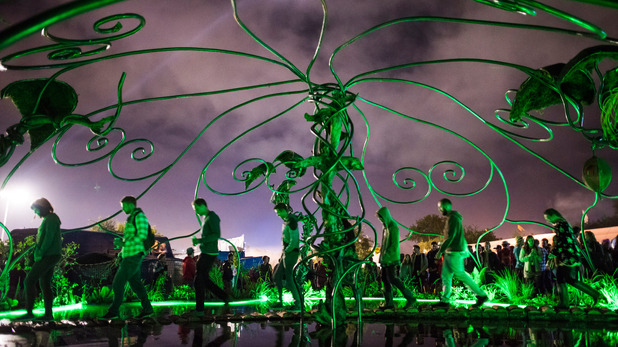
[400, 285]
[37, 270]
[579, 285]
[278, 278]
[45, 281]
[289, 261]
[137, 285]
[209, 260]
[125, 270]
[388, 289]
[458, 271]
[30, 286]
[588, 290]
[201, 272]
[562, 273]
[447, 277]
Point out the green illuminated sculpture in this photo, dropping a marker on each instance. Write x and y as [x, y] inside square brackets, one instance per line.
[325, 182]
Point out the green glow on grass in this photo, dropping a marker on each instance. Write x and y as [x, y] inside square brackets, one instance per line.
[66, 308]
[263, 299]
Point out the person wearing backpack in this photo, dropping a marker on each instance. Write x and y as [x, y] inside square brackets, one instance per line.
[133, 250]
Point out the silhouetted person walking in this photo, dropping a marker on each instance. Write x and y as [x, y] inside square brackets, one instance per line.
[211, 232]
[47, 252]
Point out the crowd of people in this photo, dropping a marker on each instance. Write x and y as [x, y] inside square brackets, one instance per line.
[548, 267]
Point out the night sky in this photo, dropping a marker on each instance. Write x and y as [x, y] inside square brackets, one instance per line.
[84, 194]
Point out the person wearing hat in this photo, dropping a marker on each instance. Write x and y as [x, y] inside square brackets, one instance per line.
[506, 255]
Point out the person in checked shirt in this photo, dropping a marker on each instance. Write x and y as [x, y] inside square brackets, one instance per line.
[132, 253]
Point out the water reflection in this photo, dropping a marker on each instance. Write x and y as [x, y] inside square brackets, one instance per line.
[288, 333]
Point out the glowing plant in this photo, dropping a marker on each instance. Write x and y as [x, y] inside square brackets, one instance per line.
[157, 290]
[608, 287]
[460, 292]
[508, 285]
[183, 292]
[97, 295]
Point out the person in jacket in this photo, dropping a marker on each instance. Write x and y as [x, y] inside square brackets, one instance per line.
[419, 266]
[132, 253]
[405, 271]
[531, 257]
[455, 250]
[209, 247]
[291, 250]
[390, 258]
[46, 255]
[517, 252]
[188, 268]
[566, 256]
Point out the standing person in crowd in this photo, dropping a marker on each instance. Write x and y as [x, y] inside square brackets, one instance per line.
[405, 271]
[370, 272]
[469, 262]
[227, 270]
[419, 268]
[489, 259]
[188, 268]
[132, 253]
[566, 255]
[291, 250]
[543, 283]
[545, 244]
[209, 247]
[455, 250]
[596, 253]
[265, 270]
[506, 256]
[607, 256]
[549, 275]
[531, 257]
[390, 256]
[433, 270]
[47, 251]
[519, 265]
[320, 274]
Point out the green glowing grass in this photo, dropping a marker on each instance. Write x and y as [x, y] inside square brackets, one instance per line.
[65, 308]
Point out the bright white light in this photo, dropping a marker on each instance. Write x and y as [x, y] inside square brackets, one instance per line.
[18, 195]
[18, 198]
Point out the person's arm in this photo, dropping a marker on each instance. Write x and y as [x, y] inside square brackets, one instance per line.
[524, 258]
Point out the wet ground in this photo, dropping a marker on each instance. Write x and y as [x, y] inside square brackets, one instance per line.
[244, 326]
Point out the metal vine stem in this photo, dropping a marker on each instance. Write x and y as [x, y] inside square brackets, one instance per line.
[331, 229]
